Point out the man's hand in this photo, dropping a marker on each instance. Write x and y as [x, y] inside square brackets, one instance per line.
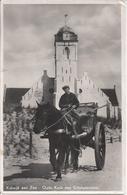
[69, 105]
[74, 106]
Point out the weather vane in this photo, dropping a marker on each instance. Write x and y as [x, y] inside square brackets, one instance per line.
[65, 19]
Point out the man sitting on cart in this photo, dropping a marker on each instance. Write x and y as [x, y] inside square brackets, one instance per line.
[68, 103]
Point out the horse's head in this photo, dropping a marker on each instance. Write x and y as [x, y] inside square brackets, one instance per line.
[41, 117]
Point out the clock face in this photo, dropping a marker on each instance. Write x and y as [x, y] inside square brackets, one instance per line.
[66, 36]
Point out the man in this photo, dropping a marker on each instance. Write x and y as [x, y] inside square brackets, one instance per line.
[68, 99]
[69, 102]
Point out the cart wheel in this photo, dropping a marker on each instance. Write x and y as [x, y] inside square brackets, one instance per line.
[100, 145]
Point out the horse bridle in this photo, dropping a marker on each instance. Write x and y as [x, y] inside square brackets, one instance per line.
[45, 129]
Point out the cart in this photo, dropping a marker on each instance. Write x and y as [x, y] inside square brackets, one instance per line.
[93, 131]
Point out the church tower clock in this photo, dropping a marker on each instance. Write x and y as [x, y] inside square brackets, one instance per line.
[65, 60]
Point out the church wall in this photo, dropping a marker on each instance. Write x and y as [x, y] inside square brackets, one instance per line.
[48, 86]
[111, 111]
[66, 67]
[39, 91]
[90, 93]
[33, 95]
[117, 112]
[114, 112]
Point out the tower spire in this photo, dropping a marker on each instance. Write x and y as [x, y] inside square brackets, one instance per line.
[66, 15]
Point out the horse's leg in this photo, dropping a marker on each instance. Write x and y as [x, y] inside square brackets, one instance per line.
[72, 157]
[60, 161]
[52, 155]
[67, 158]
[75, 154]
[53, 158]
[67, 163]
[75, 166]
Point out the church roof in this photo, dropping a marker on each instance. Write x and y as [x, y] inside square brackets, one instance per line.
[111, 93]
[65, 29]
[14, 95]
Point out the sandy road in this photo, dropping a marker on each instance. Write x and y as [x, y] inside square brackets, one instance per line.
[36, 175]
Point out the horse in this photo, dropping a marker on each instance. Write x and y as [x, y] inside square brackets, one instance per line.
[59, 135]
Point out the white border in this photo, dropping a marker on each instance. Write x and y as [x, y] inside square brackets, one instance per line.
[1, 100]
[63, 1]
[124, 93]
[123, 80]
[64, 192]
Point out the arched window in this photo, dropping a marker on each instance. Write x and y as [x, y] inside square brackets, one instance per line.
[67, 51]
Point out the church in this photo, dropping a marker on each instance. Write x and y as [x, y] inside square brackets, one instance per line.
[49, 89]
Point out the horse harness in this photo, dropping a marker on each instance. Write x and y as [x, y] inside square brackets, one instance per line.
[65, 131]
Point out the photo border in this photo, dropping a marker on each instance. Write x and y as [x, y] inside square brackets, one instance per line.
[123, 85]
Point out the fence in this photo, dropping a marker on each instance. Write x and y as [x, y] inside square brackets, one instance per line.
[113, 135]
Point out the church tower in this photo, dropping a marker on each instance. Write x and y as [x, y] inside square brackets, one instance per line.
[65, 60]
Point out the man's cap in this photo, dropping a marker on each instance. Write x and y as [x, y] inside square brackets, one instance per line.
[65, 87]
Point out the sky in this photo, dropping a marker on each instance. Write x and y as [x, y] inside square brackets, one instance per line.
[29, 42]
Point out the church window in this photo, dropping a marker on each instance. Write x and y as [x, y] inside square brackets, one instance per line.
[80, 90]
[51, 90]
[66, 71]
[67, 51]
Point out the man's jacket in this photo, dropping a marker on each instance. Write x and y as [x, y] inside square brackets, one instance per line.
[68, 99]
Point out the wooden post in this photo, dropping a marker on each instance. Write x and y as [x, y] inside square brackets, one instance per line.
[111, 139]
[30, 145]
[30, 136]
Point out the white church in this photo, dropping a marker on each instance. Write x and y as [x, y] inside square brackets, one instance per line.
[49, 89]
